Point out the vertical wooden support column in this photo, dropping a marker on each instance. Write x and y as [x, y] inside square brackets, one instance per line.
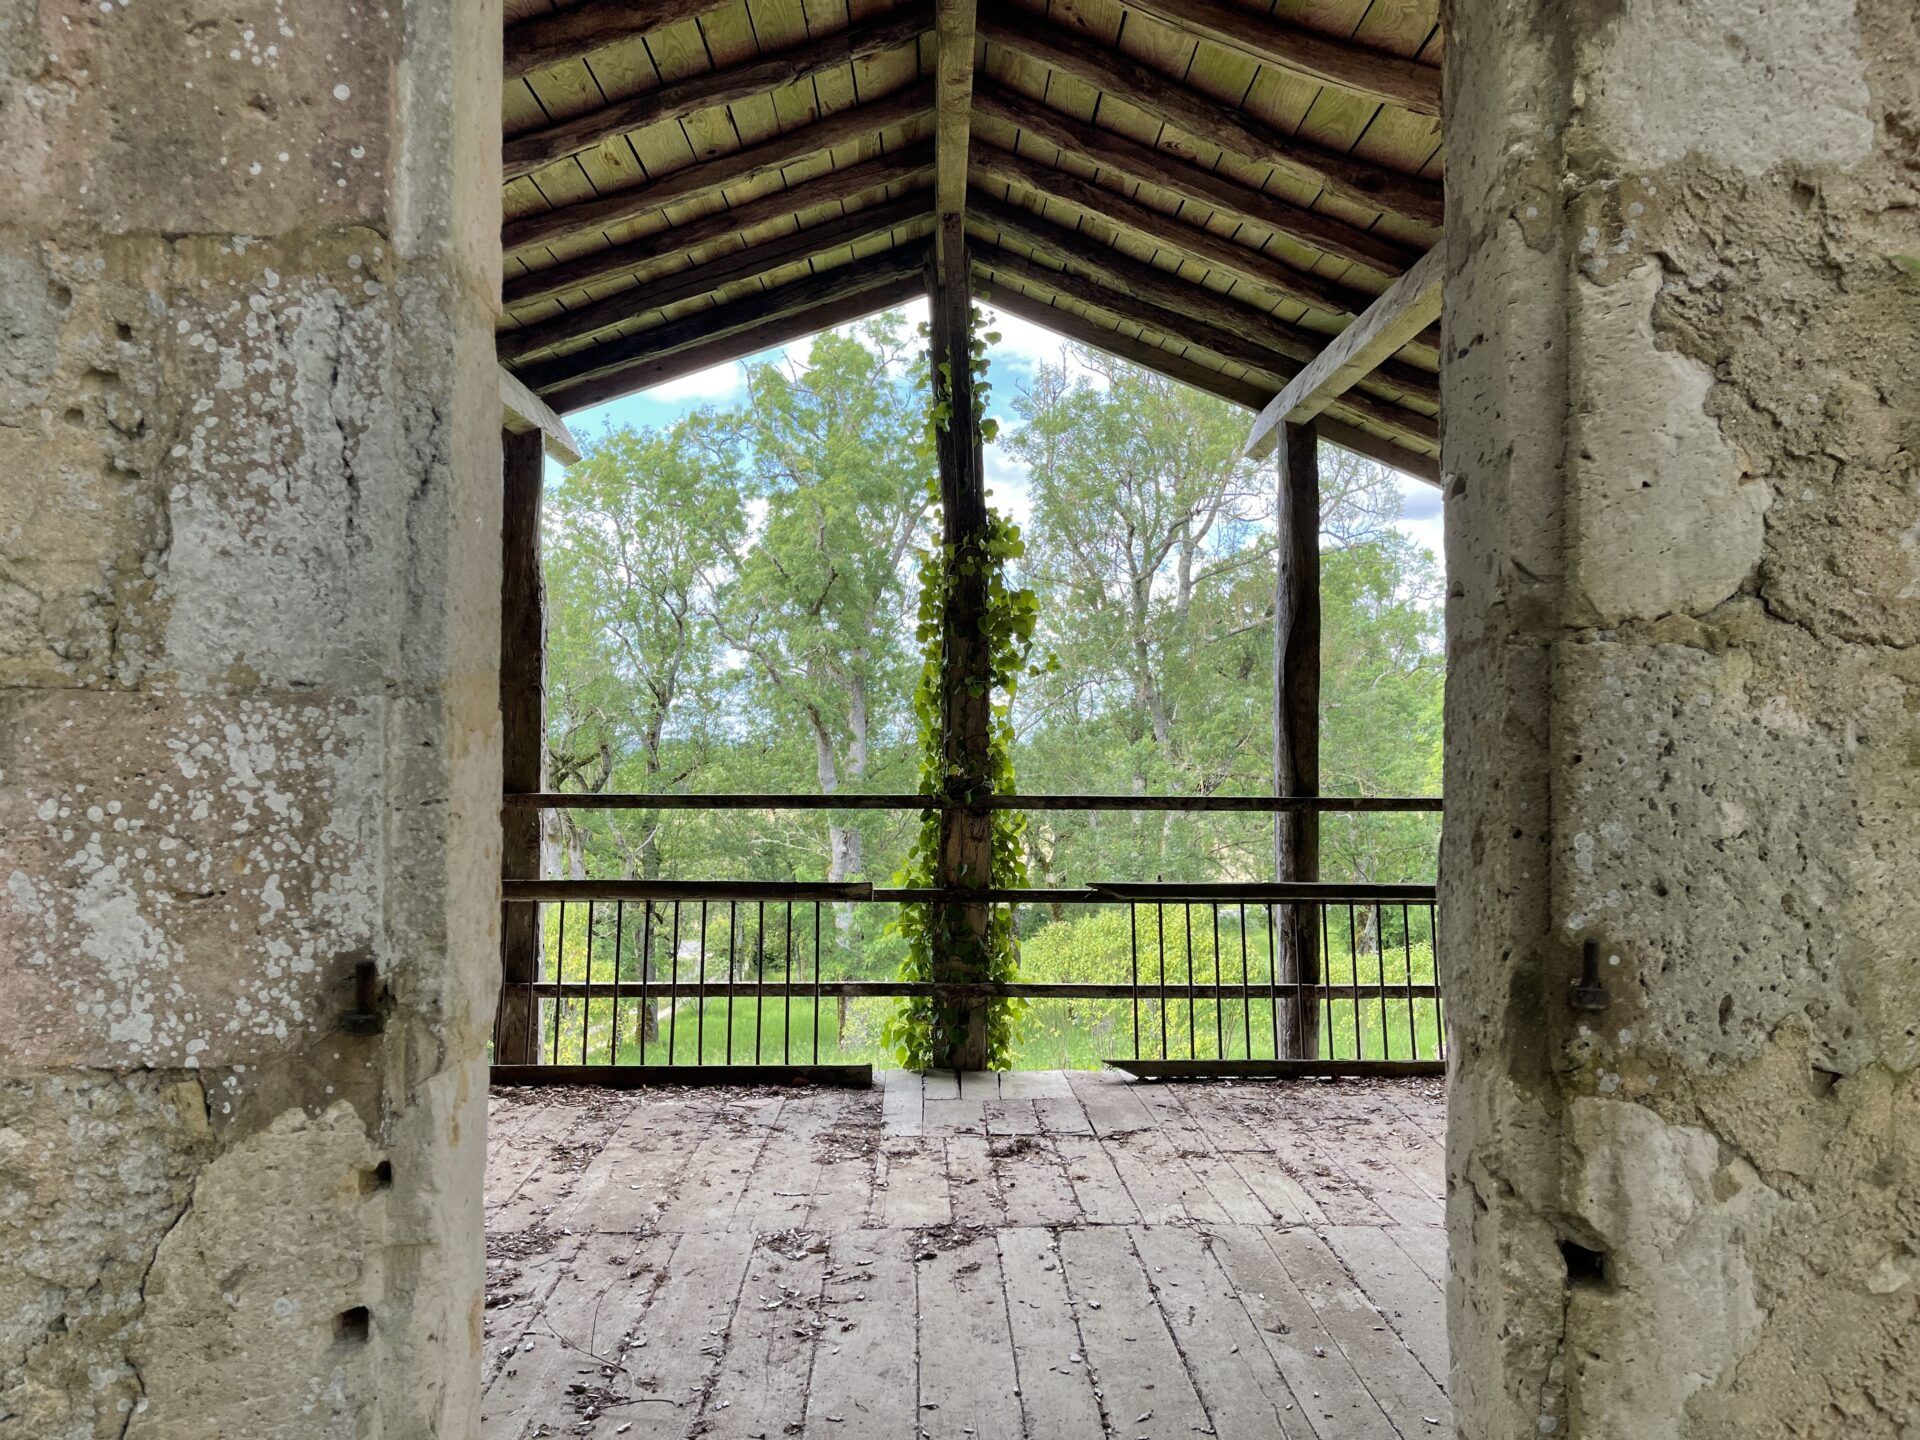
[966, 836]
[1296, 730]
[523, 713]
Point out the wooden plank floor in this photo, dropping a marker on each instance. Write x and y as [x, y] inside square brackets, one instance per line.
[1024, 1257]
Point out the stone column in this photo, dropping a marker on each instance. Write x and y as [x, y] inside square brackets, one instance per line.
[249, 728]
[1683, 717]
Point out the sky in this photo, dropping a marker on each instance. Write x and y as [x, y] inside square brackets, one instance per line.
[1023, 347]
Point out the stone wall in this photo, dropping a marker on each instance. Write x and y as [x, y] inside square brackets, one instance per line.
[1683, 541]
[249, 562]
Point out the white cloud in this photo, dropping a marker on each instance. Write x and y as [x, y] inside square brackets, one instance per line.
[717, 382]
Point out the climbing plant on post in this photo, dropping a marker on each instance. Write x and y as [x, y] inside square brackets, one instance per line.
[976, 633]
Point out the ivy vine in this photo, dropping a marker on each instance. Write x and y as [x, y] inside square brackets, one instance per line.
[921, 1028]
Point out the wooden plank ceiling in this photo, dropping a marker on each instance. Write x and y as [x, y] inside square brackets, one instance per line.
[1211, 188]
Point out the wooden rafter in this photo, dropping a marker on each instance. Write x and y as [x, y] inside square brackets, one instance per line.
[705, 279]
[902, 166]
[524, 413]
[1166, 230]
[1360, 69]
[882, 292]
[1181, 177]
[1228, 344]
[1208, 119]
[1406, 309]
[548, 40]
[708, 177]
[1162, 287]
[737, 317]
[1421, 464]
[524, 154]
[1141, 352]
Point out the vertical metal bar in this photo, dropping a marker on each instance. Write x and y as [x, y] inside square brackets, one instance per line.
[619, 952]
[1325, 997]
[700, 996]
[1406, 946]
[532, 1052]
[1353, 974]
[759, 974]
[1219, 1030]
[1246, 995]
[1439, 1013]
[559, 975]
[586, 995]
[1160, 926]
[1380, 972]
[733, 925]
[646, 985]
[673, 996]
[816, 982]
[1273, 979]
[786, 1019]
[1133, 969]
[1186, 913]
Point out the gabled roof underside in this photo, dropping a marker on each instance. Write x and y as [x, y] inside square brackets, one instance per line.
[1209, 188]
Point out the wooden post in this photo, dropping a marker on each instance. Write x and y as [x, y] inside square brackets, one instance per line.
[523, 715]
[1296, 733]
[965, 859]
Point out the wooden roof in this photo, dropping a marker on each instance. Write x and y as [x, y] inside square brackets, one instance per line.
[1211, 188]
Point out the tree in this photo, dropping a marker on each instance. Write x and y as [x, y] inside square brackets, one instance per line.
[839, 459]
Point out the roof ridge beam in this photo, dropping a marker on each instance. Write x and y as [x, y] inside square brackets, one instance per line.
[1165, 170]
[734, 318]
[856, 122]
[1406, 309]
[1358, 181]
[766, 330]
[1167, 289]
[836, 186]
[1170, 231]
[1360, 69]
[523, 154]
[698, 280]
[544, 41]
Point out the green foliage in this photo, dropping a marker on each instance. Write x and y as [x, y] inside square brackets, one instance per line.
[922, 1030]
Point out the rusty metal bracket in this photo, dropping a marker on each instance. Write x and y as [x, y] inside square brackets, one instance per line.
[1590, 990]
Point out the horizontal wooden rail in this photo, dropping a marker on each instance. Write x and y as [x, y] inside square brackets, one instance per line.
[1275, 892]
[1229, 804]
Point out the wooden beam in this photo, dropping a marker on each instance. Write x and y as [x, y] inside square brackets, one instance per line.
[697, 280]
[901, 167]
[1169, 171]
[1396, 318]
[522, 412]
[548, 40]
[523, 730]
[1360, 69]
[1164, 288]
[734, 318]
[1143, 353]
[1216, 123]
[857, 122]
[1160, 228]
[1228, 344]
[523, 154]
[1296, 727]
[952, 106]
[736, 344]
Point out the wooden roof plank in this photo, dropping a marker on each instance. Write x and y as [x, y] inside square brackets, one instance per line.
[881, 294]
[1181, 177]
[697, 280]
[1208, 119]
[523, 154]
[522, 411]
[549, 40]
[838, 185]
[710, 175]
[1377, 74]
[718, 322]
